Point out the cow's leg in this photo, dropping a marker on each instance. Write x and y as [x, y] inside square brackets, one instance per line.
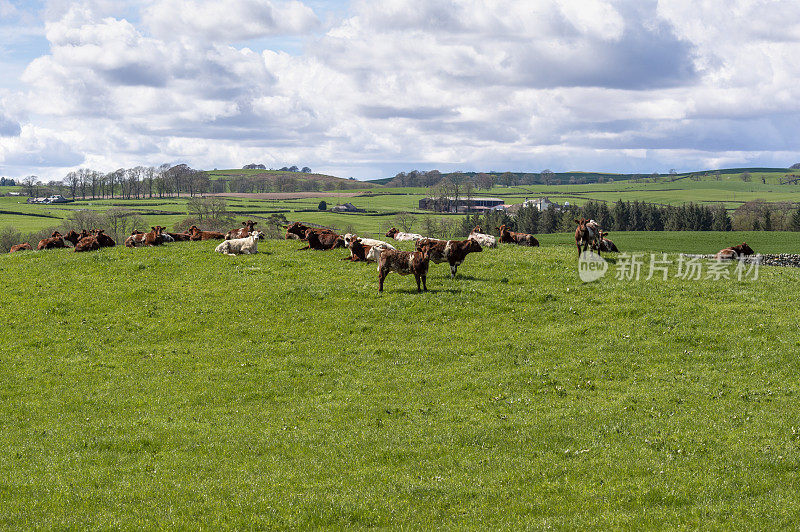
[453, 268]
[578, 245]
[424, 282]
[381, 277]
[417, 277]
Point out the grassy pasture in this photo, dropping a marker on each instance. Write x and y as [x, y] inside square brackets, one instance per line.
[174, 386]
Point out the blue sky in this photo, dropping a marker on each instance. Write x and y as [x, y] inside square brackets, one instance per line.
[368, 89]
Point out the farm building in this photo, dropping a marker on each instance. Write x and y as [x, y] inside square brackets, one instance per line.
[451, 204]
[347, 207]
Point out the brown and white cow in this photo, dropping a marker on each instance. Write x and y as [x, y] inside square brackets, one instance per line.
[605, 244]
[586, 234]
[734, 252]
[322, 241]
[512, 237]
[21, 247]
[399, 235]
[482, 238]
[358, 251]
[197, 234]
[135, 240]
[242, 232]
[404, 263]
[452, 252]
[55, 241]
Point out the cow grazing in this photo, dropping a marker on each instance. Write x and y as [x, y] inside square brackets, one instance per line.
[297, 231]
[587, 233]
[241, 246]
[322, 241]
[179, 237]
[487, 241]
[452, 252]
[55, 241]
[242, 232]
[349, 237]
[734, 252]
[404, 263]
[197, 234]
[512, 237]
[400, 236]
[605, 244]
[21, 247]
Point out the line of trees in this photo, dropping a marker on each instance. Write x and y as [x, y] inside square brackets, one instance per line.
[642, 216]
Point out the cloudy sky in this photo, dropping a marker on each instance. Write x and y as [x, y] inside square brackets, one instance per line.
[366, 89]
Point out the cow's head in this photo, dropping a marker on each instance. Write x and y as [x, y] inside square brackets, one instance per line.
[473, 246]
[257, 235]
[391, 232]
[744, 249]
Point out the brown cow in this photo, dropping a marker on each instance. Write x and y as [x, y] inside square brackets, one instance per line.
[322, 241]
[587, 233]
[404, 263]
[180, 237]
[452, 252]
[196, 234]
[103, 239]
[243, 232]
[734, 252]
[73, 237]
[89, 243]
[55, 241]
[155, 236]
[512, 237]
[605, 244]
[21, 247]
[297, 231]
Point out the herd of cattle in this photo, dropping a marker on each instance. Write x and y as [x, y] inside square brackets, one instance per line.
[244, 240]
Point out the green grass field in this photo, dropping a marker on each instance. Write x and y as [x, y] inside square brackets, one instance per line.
[174, 387]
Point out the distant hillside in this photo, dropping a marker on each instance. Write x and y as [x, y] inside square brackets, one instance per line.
[430, 178]
[279, 181]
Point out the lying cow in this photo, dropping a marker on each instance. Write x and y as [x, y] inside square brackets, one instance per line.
[605, 244]
[135, 240]
[398, 235]
[196, 234]
[512, 237]
[88, 243]
[74, 237]
[360, 252]
[404, 263]
[487, 241]
[452, 252]
[179, 237]
[103, 240]
[242, 232]
[734, 252]
[349, 237]
[55, 241]
[241, 246]
[587, 233]
[21, 247]
[297, 231]
[322, 241]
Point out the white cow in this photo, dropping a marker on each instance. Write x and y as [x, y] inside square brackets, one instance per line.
[366, 241]
[483, 239]
[241, 246]
[397, 235]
